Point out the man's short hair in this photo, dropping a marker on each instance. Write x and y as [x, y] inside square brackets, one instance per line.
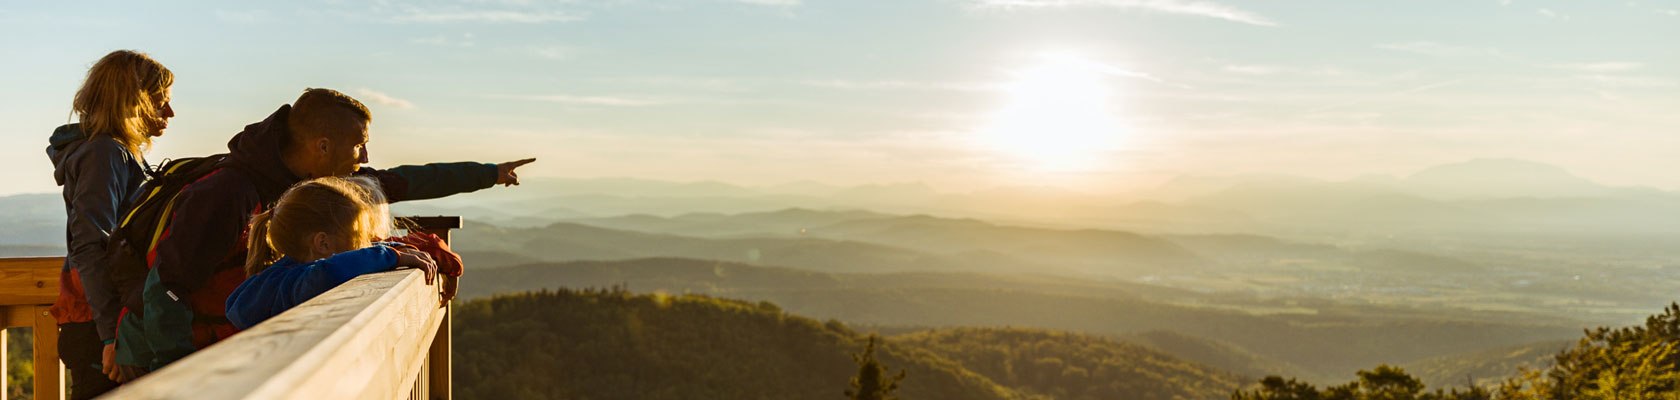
[327, 113]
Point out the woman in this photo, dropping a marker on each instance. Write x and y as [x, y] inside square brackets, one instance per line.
[100, 162]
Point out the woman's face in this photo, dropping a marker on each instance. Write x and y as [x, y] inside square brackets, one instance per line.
[165, 112]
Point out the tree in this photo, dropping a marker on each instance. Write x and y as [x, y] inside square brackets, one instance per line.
[1276, 388]
[872, 382]
[1388, 383]
[1382, 383]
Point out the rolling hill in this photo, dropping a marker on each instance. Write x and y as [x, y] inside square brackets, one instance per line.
[611, 343]
[1335, 338]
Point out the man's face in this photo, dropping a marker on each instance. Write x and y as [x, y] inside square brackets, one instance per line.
[344, 158]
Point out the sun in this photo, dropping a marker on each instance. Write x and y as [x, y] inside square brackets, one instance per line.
[1056, 115]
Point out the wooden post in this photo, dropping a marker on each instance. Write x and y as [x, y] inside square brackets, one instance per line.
[438, 369]
[28, 287]
[49, 372]
[5, 370]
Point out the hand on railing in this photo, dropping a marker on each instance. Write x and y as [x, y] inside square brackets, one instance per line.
[409, 257]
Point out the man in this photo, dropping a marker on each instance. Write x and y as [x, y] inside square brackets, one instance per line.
[198, 261]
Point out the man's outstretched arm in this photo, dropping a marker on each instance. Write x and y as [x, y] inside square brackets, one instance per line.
[431, 181]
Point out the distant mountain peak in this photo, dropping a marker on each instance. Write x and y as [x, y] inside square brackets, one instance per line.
[1501, 178]
[1503, 166]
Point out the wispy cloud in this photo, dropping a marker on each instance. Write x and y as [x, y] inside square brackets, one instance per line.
[599, 101]
[1602, 67]
[1628, 81]
[551, 52]
[241, 17]
[1669, 12]
[453, 15]
[464, 40]
[1183, 7]
[381, 98]
[1548, 13]
[1268, 70]
[899, 85]
[1389, 95]
[780, 3]
[1433, 49]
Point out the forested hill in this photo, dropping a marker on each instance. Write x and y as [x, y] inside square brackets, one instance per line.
[1072, 366]
[611, 344]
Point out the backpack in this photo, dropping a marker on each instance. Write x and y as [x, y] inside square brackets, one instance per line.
[132, 242]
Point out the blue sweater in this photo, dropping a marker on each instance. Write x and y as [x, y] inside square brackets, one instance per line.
[287, 283]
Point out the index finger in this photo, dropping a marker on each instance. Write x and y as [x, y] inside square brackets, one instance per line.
[517, 164]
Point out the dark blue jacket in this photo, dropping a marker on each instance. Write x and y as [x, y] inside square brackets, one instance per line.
[287, 283]
[99, 177]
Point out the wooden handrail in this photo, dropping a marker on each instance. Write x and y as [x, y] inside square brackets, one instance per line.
[366, 339]
[379, 336]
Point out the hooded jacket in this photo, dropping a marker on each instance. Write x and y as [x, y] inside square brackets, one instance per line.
[99, 176]
[287, 283]
[199, 260]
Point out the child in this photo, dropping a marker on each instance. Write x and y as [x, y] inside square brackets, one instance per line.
[318, 236]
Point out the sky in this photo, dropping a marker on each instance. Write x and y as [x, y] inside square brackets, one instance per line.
[1091, 95]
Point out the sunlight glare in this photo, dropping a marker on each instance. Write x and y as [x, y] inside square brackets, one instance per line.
[1056, 115]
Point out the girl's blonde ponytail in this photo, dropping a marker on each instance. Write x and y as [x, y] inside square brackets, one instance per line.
[261, 254]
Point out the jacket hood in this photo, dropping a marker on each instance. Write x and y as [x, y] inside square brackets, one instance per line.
[64, 142]
[258, 148]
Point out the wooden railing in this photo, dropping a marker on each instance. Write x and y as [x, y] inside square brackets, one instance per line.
[28, 287]
[379, 336]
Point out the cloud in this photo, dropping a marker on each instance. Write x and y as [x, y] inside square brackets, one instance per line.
[1387, 96]
[898, 85]
[1669, 12]
[1253, 69]
[1627, 81]
[465, 40]
[551, 52]
[1602, 67]
[1268, 70]
[1183, 7]
[1432, 49]
[600, 101]
[241, 17]
[487, 16]
[383, 99]
[1548, 13]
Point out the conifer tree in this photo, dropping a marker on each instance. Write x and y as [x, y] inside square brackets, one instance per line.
[872, 381]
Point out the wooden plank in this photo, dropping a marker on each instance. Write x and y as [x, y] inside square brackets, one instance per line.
[438, 225]
[440, 378]
[49, 380]
[4, 369]
[30, 280]
[366, 339]
[17, 316]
